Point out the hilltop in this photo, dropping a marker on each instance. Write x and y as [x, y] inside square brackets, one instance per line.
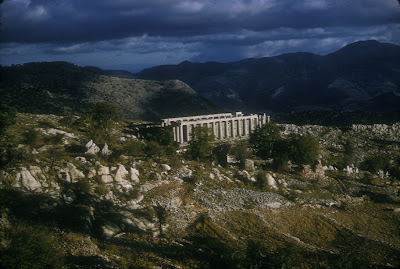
[62, 88]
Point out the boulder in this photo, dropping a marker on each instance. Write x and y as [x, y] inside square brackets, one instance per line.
[27, 180]
[166, 167]
[74, 172]
[92, 148]
[120, 175]
[105, 151]
[134, 175]
[107, 178]
[271, 181]
[249, 165]
[103, 170]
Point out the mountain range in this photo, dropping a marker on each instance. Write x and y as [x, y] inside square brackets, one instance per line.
[364, 76]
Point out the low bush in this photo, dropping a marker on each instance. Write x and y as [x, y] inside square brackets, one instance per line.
[31, 247]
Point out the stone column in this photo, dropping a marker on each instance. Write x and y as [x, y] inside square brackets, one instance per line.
[189, 131]
[220, 129]
[250, 125]
[174, 130]
[180, 134]
[246, 127]
[240, 123]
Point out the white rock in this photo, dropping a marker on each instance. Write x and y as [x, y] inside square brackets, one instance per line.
[147, 187]
[166, 167]
[110, 230]
[107, 178]
[92, 148]
[28, 181]
[105, 151]
[134, 175]
[271, 181]
[81, 159]
[62, 174]
[103, 170]
[35, 171]
[56, 131]
[121, 174]
[92, 173]
[74, 172]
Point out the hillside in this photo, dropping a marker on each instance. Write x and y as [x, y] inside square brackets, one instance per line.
[64, 204]
[62, 88]
[361, 76]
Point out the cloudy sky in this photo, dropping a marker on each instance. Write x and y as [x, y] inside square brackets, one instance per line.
[134, 34]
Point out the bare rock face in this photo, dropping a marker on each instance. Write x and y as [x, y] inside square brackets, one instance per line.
[120, 176]
[92, 148]
[271, 181]
[105, 151]
[27, 180]
[74, 172]
[134, 175]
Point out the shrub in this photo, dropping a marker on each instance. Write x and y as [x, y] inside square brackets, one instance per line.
[31, 137]
[220, 152]
[375, 163]
[154, 150]
[303, 149]
[134, 148]
[30, 248]
[241, 152]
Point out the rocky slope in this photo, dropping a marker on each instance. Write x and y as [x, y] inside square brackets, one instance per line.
[62, 88]
[361, 76]
[102, 210]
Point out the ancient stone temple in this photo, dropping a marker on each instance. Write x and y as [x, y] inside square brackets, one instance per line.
[225, 126]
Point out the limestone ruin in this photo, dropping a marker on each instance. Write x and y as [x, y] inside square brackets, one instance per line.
[225, 126]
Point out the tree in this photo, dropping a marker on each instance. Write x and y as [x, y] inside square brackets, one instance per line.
[162, 136]
[161, 215]
[102, 118]
[200, 144]
[220, 152]
[7, 117]
[263, 140]
[303, 149]
[241, 152]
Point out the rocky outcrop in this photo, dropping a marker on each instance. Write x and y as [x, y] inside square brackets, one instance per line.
[92, 148]
[25, 179]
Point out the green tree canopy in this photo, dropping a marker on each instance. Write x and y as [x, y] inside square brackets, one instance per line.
[7, 117]
[263, 140]
[303, 149]
[102, 118]
[200, 147]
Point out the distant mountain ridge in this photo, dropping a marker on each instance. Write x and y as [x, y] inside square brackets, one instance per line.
[364, 76]
[62, 88]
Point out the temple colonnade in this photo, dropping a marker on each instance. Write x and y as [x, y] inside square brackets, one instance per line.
[225, 126]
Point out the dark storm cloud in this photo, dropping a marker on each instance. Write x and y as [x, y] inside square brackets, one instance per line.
[151, 32]
[76, 20]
